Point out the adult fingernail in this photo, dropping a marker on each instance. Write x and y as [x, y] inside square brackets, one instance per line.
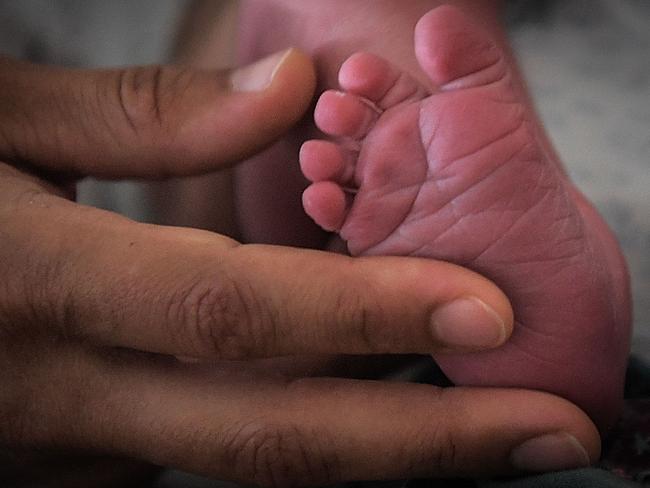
[258, 76]
[468, 323]
[552, 452]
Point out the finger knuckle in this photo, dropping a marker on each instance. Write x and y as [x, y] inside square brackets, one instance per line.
[444, 453]
[33, 297]
[146, 95]
[219, 315]
[437, 446]
[274, 455]
[359, 321]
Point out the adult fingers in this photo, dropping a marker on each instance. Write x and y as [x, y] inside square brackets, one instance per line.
[148, 121]
[183, 292]
[270, 431]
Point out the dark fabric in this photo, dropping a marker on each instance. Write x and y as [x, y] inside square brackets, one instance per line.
[584, 478]
[626, 453]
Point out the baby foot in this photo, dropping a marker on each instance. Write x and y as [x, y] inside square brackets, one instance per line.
[455, 171]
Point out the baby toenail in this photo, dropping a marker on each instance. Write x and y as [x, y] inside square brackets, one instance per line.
[468, 323]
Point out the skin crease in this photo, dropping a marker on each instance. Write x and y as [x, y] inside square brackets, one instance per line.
[24, 460]
[321, 33]
[330, 40]
[603, 331]
[95, 309]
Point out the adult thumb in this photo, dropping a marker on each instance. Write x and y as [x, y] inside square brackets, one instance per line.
[148, 122]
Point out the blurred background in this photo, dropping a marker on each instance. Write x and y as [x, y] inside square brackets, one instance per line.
[587, 62]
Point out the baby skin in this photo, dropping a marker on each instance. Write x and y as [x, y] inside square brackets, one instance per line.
[453, 169]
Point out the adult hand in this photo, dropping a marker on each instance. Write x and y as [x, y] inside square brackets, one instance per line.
[94, 308]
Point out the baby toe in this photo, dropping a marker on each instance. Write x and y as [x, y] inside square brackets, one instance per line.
[344, 115]
[326, 161]
[327, 204]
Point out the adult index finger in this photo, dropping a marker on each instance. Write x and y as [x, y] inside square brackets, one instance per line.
[192, 293]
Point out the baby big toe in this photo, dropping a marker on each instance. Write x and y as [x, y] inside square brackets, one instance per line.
[377, 80]
[456, 53]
